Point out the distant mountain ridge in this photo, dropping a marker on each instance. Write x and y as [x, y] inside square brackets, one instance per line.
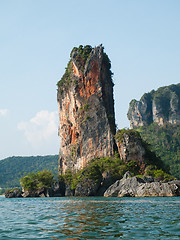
[161, 106]
[13, 168]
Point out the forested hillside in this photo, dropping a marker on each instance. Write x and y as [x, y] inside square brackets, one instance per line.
[13, 168]
[165, 141]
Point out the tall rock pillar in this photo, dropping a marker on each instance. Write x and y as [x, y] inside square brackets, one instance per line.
[86, 108]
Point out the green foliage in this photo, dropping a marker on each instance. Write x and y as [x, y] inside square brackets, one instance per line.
[131, 132]
[85, 107]
[162, 97]
[66, 78]
[2, 191]
[158, 174]
[14, 168]
[81, 55]
[133, 103]
[96, 167]
[34, 181]
[139, 176]
[165, 142]
[10, 190]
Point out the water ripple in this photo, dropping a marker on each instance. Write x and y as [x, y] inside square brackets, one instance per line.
[90, 218]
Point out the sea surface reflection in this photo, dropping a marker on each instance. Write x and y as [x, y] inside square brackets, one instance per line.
[90, 218]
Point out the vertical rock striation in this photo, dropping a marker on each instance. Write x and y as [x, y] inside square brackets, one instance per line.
[86, 108]
[161, 106]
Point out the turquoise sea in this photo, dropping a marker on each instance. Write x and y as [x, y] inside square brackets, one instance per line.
[90, 218]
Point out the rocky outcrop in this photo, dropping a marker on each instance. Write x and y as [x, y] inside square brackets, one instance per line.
[57, 190]
[130, 148]
[86, 109]
[13, 193]
[161, 106]
[142, 187]
[88, 187]
[43, 192]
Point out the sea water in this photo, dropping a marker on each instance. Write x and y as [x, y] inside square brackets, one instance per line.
[90, 218]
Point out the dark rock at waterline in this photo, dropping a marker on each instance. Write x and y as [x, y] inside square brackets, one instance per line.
[68, 190]
[43, 192]
[88, 187]
[107, 181]
[142, 187]
[13, 193]
[57, 190]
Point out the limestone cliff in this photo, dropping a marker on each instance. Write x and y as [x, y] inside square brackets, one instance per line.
[130, 148]
[161, 106]
[135, 152]
[86, 108]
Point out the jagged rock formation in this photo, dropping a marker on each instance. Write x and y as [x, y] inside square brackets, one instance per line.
[136, 152]
[161, 106]
[130, 148]
[86, 108]
[130, 186]
[56, 190]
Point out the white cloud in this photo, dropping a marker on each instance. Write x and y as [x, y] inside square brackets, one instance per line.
[40, 128]
[3, 112]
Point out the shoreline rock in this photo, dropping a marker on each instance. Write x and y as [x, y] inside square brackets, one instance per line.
[142, 187]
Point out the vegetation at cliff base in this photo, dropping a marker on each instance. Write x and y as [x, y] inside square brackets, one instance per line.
[165, 142]
[116, 168]
[39, 180]
[13, 168]
[96, 167]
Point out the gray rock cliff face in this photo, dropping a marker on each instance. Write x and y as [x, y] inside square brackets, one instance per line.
[142, 187]
[130, 148]
[161, 106]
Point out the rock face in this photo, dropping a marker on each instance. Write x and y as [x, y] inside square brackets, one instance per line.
[130, 148]
[161, 106]
[14, 193]
[57, 190]
[86, 109]
[130, 186]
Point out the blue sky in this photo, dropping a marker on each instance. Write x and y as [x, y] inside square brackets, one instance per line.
[141, 37]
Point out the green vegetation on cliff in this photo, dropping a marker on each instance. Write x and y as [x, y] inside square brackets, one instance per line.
[165, 141]
[95, 169]
[80, 57]
[81, 54]
[13, 168]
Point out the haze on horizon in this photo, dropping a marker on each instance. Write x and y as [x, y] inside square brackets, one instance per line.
[140, 37]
